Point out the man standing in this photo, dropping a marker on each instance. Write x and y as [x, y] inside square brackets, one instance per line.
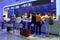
[33, 23]
[38, 23]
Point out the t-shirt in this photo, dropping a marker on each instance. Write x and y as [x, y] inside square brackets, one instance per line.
[43, 18]
[38, 18]
[24, 18]
[29, 19]
[18, 19]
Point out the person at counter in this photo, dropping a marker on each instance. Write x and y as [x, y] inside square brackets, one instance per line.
[13, 20]
[18, 21]
[33, 23]
[49, 22]
[3, 20]
[24, 18]
[38, 23]
[29, 21]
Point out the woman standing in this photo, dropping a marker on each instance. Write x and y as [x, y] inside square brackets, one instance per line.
[29, 21]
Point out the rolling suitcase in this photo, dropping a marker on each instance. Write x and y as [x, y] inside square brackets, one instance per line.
[8, 29]
[24, 32]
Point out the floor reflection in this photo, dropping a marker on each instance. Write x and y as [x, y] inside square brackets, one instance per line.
[17, 36]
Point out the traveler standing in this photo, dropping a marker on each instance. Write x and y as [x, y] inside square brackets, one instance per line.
[24, 18]
[29, 21]
[18, 21]
[13, 20]
[33, 24]
[38, 23]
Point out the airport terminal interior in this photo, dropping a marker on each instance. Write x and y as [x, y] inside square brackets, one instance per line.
[29, 20]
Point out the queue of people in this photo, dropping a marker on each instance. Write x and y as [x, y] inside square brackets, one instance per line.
[33, 22]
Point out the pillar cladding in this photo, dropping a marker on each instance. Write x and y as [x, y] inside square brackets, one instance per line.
[57, 9]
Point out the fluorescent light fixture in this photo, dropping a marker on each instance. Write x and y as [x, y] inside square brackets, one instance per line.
[12, 7]
[32, 0]
[29, 4]
[52, 0]
[17, 6]
[6, 9]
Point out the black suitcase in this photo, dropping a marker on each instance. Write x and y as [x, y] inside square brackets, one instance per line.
[8, 29]
[24, 32]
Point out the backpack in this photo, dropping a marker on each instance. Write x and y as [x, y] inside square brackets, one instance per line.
[51, 22]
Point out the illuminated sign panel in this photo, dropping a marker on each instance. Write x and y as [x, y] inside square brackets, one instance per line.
[26, 4]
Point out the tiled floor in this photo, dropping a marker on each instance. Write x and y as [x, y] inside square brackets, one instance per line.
[16, 36]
